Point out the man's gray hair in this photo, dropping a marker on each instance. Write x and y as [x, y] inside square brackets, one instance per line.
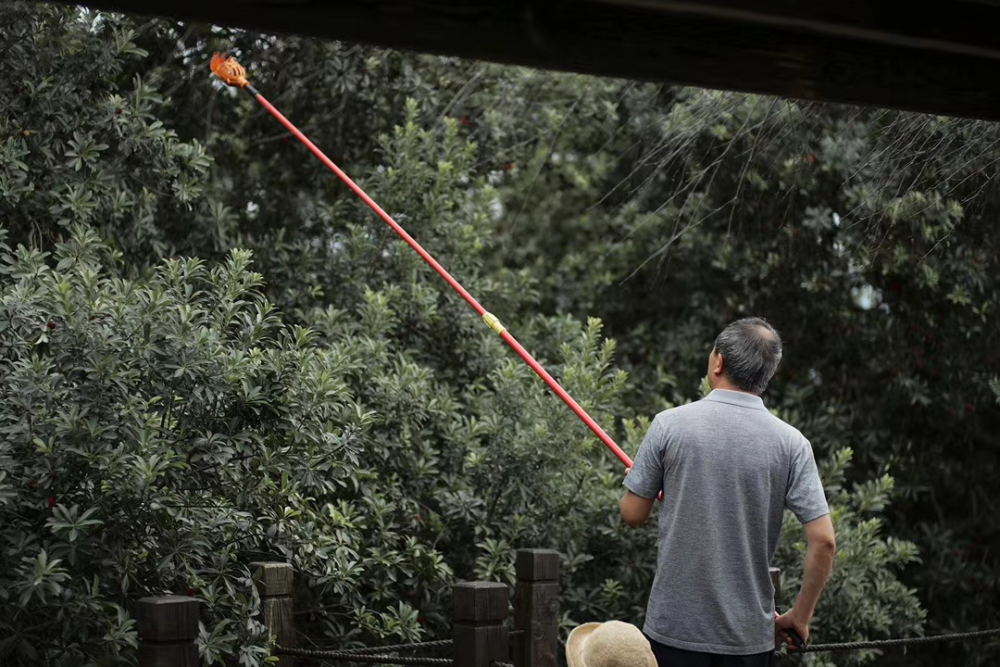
[750, 350]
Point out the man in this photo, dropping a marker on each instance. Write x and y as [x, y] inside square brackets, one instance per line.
[727, 468]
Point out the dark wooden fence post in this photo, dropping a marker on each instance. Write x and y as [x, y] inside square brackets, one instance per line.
[536, 608]
[274, 585]
[480, 623]
[168, 629]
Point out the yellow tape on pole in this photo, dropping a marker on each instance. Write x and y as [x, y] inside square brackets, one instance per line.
[493, 322]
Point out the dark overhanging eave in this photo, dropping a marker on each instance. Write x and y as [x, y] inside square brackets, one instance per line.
[883, 54]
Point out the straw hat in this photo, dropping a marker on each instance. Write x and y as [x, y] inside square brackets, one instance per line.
[611, 644]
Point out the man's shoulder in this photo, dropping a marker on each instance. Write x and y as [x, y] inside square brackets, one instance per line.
[696, 411]
[680, 411]
[682, 420]
[793, 434]
[702, 409]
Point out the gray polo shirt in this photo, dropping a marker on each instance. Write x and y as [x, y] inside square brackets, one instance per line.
[727, 468]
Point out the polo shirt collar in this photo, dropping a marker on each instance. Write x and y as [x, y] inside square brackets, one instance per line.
[742, 399]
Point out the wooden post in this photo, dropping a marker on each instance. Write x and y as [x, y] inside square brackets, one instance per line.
[274, 585]
[536, 608]
[168, 628]
[480, 623]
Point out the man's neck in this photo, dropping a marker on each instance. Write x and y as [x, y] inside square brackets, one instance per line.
[726, 385]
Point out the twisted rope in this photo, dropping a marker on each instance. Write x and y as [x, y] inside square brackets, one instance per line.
[358, 654]
[889, 643]
[343, 656]
[400, 647]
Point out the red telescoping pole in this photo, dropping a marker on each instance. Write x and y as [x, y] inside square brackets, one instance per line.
[233, 74]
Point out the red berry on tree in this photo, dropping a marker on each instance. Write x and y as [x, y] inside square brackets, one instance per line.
[52, 502]
[51, 324]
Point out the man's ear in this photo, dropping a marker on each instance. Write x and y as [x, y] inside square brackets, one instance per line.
[720, 364]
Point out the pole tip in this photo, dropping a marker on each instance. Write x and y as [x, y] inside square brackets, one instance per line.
[229, 71]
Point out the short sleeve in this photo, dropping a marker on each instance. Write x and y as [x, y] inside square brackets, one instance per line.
[805, 496]
[646, 478]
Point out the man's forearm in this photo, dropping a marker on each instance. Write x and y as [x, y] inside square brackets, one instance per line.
[819, 565]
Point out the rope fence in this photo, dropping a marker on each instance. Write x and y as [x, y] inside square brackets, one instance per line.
[892, 643]
[342, 656]
[360, 655]
[375, 654]
[393, 648]
[483, 634]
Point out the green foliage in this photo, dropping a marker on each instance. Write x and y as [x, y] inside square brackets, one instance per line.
[82, 142]
[336, 407]
[169, 431]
